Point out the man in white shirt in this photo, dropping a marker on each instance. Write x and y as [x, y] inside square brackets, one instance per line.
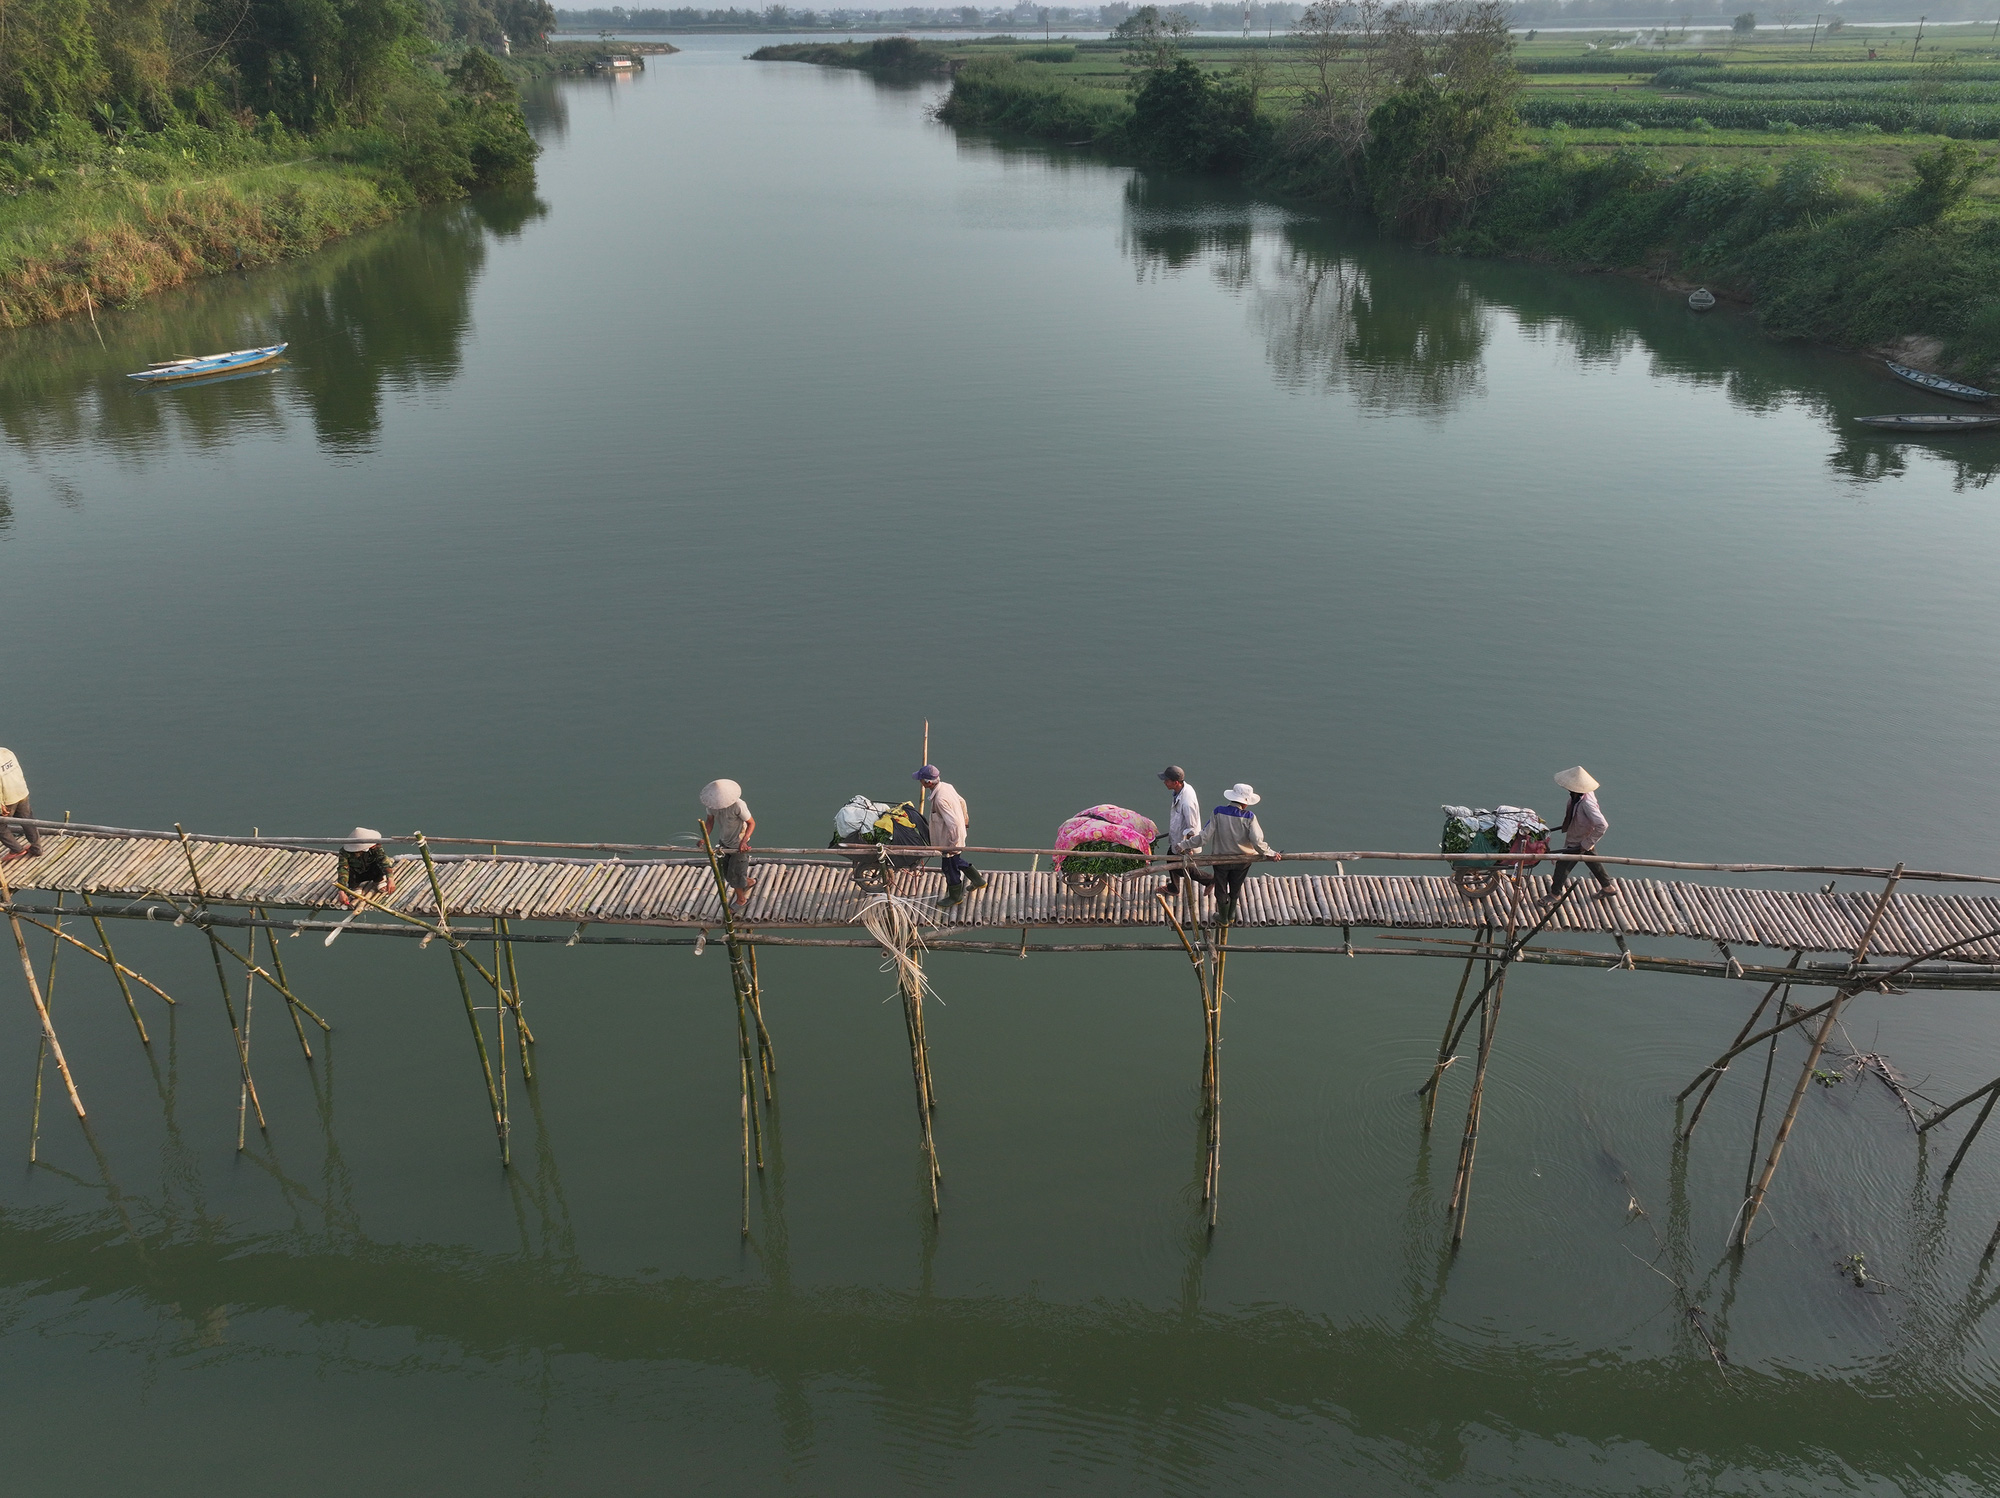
[1183, 828]
[949, 822]
[14, 803]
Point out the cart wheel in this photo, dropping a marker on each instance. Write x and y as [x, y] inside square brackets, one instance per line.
[871, 876]
[1085, 885]
[1476, 884]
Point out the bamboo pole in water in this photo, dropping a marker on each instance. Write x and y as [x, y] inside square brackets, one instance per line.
[458, 960]
[35, 993]
[42, 1048]
[1429, 1091]
[1489, 1024]
[118, 971]
[292, 1005]
[1715, 1075]
[123, 971]
[738, 982]
[215, 944]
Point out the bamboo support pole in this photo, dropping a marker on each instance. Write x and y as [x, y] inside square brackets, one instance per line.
[284, 986]
[123, 971]
[1946, 1112]
[249, 1012]
[1429, 1091]
[913, 999]
[118, 971]
[1874, 920]
[458, 959]
[215, 945]
[1201, 986]
[1489, 1025]
[1755, 1201]
[524, 1036]
[1965, 1145]
[739, 983]
[35, 993]
[42, 1046]
[1715, 1075]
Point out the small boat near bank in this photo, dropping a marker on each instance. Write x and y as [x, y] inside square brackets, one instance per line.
[1931, 422]
[209, 364]
[1937, 384]
[1701, 299]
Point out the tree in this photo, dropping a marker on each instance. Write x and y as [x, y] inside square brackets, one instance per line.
[1185, 120]
[1339, 78]
[1945, 177]
[1745, 23]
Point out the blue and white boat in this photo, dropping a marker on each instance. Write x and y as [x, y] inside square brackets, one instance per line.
[1937, 384]
[212, 364]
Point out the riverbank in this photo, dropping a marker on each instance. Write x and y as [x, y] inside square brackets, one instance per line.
[93, 218]
[1859, 214]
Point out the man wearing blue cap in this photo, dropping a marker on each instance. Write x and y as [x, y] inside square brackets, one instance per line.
[949, 820]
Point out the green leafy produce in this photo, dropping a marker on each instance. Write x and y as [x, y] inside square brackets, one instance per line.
[1075, 867]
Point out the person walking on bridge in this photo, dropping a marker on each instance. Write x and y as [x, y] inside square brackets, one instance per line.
[1233, 833]
[729, 825]
[14, 803]
[1582, 825]
[949, 823]
[1183, 829]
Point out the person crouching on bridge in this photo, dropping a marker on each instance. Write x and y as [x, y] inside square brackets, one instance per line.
[1232, 833]
[364, 866]
[949, 823]
[1582, 825]
[729, 825]
[14, 803]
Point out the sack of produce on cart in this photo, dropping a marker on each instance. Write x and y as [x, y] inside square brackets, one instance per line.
[877, 826]
[1101, 843]
[1511, 830]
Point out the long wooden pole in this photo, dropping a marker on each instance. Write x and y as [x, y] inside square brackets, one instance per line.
[739, 982]
[118, 972]
[1489, 1025]
[222, 981]
[1755, 1201]
[42, 1048]
[1715, 1076]
[471, 1013]
[35, 993]
[123, 970]
[1429, 1090]
[284, 985]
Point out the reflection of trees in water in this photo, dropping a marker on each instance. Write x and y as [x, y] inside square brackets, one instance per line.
[385, 309]
[1395, 343]
[546, 109]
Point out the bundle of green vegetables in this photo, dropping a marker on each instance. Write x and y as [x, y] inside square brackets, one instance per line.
[1080, 867]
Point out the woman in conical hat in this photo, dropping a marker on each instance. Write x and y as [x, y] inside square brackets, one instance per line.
[729, 825]
[1582, 825]
[364, 866]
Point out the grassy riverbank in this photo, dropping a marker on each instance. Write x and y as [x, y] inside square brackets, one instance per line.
[1849, 198]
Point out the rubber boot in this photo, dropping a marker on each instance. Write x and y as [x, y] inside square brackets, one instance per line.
[953, 896]
[973, 879]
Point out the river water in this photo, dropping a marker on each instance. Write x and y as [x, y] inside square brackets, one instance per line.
[773, 423]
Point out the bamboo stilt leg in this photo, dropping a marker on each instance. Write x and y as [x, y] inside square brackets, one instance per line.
[523, 1036]
[42, 1047]
[465, 993]
[1715, 1077]
[292, 1005]
[35, 993]
[222, 981]
[118, 972]
[1757, 1124]
[1429, 1090]
[1754, 1203]
[249, 1002]
[767, 1058]
[1970, 1135]
[913, 1022]
[1489, 1024]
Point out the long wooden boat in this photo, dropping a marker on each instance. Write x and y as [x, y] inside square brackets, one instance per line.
[1937, 384]
[1931, 422]
[210, 364]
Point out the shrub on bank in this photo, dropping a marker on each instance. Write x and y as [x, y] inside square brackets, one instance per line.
[999, 94]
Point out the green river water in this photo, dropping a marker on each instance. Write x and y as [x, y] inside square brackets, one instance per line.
[775, 422]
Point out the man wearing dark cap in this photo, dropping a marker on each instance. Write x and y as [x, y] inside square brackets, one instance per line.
[1183, 828]
[949, 821]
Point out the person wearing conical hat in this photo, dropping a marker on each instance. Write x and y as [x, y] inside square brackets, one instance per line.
[364, 866]
[1234, 834]
[1582, 825]
[729, 825]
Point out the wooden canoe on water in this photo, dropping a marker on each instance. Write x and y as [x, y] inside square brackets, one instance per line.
[210, 364]
[1931, 422]
[1937, 384]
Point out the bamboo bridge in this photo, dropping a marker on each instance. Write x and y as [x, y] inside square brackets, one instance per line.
[470, 893]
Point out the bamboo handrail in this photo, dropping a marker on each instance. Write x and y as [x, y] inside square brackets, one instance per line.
[835, 856]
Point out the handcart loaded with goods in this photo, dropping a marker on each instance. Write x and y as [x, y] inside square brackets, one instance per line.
[876, 826]
[1515, 830]
[1098, 844]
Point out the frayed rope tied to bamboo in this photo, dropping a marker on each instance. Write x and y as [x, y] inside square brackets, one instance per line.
[897, 924]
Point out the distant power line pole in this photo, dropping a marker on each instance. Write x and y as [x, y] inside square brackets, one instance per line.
[1815, 36]
[1920, 37]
